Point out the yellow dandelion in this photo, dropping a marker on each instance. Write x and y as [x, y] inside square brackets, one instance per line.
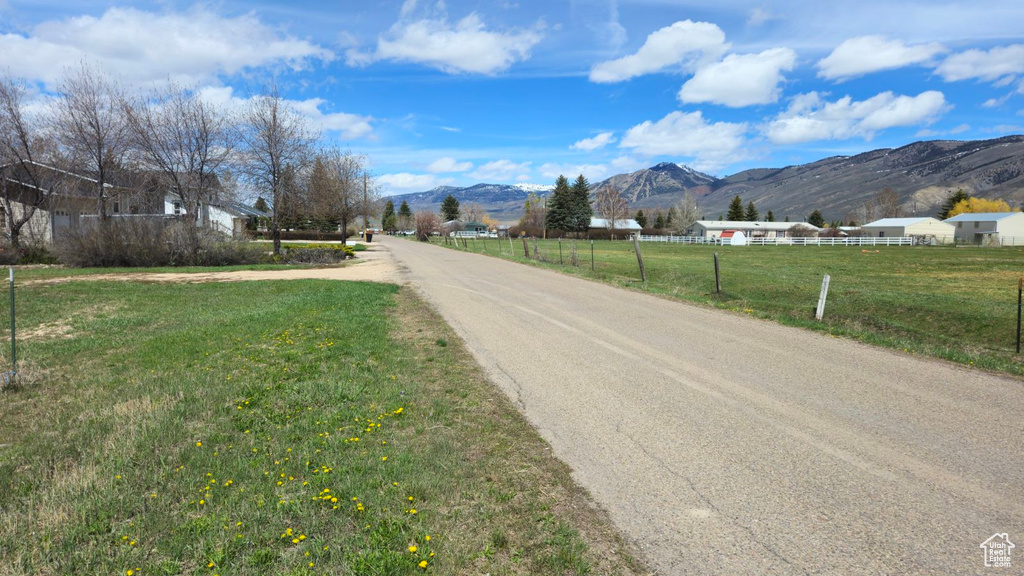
[413, 548]
[423, 564]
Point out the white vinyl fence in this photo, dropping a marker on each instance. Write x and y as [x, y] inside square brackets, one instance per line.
[783, 241]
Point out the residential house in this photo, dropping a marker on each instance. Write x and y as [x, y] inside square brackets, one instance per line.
[923, 228]
[715, 228]
[990, 228]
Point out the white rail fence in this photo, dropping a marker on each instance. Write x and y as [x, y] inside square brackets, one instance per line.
[784, 241]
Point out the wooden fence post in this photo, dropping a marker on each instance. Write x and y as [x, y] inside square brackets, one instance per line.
[591, 255]
[718, 278]
[821, 299]
[639, 257]
[559, 250]
[526, 249]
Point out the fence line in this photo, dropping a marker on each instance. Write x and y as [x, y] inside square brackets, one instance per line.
[786, 241]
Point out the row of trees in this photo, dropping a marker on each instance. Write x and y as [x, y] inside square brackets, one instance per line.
[170, 139]
[390, 221]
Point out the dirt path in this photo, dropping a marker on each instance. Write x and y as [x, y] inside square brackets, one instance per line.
[373, 265]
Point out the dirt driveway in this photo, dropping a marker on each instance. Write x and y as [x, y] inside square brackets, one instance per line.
[373, 265]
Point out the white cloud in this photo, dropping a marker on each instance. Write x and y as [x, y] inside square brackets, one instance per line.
[502, 170]
[592, 172]
[402, 182]
[191, 47]
[464, 47]
[590, 144]
[687, 134]
[809, 117]
[685, 44]
[349, 126]
[451, 129]
[449, 164]
[867, 54]
[740, 79]
[999, 63]
[759, 16]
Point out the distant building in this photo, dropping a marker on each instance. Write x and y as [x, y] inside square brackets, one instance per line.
[715, 228]
[926, 228]
[625, 225]
[990, 228]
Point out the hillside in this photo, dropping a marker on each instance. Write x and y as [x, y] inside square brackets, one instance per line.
[920, 173]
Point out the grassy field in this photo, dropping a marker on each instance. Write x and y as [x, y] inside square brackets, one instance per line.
[288, 427]
[954, 303]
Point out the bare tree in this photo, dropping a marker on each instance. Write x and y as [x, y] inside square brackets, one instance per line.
[273, 137]
[888, 203]
[427, 223]
[26, 184]
[534, 212]
[473, 212]
[90, 127]
[336, 186]
[184, 141]
[611, 206]
[687, 212]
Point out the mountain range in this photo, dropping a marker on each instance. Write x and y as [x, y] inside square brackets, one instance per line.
[921, 174]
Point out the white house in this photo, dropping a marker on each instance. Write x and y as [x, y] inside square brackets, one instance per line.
[919, 227]
[992, 228]
[625, 225]
[715, 228]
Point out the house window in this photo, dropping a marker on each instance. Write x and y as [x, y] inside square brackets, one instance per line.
[976, 224]
[881, 233]
[960, 225]
[117, 207]
[177, 208]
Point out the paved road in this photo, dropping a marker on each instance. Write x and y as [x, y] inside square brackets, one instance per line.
[727, 445]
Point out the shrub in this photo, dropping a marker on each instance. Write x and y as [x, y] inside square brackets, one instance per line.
[302, 235]
[136, 243]
[317, 253]
[27, 254]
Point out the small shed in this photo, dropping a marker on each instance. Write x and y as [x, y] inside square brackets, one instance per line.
[998, 228]
[924, 227]
[733, 238]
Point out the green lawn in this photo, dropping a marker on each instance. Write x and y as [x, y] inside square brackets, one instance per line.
[287, 427]
[954, 303]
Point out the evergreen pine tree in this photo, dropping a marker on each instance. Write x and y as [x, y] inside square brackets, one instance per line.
[450, 208]
[952, 200]
[558, 205]
[751, 215]
[388, 220]
[659, 221]
[404, 211]
[735, 213]
[580, 210]
[671, 217]
[787, 218]
[816, 219]
[261, 205]
[770, 217]
[641, 218]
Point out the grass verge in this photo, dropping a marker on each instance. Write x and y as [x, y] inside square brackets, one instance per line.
[290, 427]
[959, 304]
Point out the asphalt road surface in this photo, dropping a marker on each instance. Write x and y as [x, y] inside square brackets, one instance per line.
[722, 444]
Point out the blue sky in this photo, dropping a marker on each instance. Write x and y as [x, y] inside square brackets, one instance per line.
[458, 92]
